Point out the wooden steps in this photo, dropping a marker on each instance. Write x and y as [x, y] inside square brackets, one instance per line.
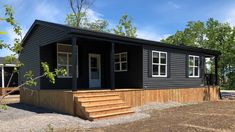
[99, 105]
[109, 115]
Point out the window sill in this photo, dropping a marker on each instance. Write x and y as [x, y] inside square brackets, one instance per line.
[155, 76]
[65, 77]
[194, 77]
[121, 71]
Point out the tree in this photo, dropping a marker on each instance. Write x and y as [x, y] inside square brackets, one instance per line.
[125, 27]
[211, 35]
[16, 49]
[79, 19]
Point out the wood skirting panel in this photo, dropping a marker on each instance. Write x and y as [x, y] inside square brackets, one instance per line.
[58, 100]
[63, 101]
[184, 95]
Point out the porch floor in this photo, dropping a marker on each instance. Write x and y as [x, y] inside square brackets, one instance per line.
[104, 90]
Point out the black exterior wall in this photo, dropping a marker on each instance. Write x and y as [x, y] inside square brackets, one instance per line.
[177, 69]
[130, 79]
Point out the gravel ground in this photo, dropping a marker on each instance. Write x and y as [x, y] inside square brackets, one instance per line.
[20, 117]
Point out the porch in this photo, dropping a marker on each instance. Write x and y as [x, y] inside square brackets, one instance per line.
[93, 64]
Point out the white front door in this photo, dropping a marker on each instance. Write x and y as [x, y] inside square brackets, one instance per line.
[94, 71]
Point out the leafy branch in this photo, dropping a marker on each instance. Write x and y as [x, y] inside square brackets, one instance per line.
[16, 48]
[31, 80]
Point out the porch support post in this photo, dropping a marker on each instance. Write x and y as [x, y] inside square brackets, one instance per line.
[216, 70]
[3, 80]
[112, 73]
[74, 63]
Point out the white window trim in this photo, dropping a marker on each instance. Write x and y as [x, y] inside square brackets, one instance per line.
[120, 62]
[159, 63]
[67, 66]
[193, 66]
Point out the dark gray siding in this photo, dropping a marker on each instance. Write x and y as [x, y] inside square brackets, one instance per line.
[133, 77]
[130, 79]
[30, 56]
[177, 70]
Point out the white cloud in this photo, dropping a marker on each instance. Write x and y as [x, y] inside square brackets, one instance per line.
[173, 4]
[11, 34]
[230, 17]
[150, 34]
[93, 15]
[47, 11]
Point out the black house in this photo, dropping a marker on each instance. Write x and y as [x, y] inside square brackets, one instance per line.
[107, 61]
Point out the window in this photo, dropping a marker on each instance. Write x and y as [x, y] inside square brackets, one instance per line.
[193, 66]
[120, 62]
[159, 64]
[64, 59]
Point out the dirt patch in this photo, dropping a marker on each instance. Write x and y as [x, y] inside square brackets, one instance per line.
[205, 117]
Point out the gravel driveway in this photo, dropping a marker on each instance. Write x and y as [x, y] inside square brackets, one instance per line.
[20, 117]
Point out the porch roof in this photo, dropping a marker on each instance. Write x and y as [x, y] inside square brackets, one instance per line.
[84, 33]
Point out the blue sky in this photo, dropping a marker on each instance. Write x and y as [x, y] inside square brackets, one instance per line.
[154, 19]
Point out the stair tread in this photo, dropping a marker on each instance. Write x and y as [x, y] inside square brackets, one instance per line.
[111, 108]
[103, 104]
[112, 114]
[97, 95]
[97, 100]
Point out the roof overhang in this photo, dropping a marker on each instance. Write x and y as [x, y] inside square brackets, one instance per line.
[84, 33]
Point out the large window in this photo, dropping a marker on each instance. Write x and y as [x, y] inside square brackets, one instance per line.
[193, 66]
[64, 59]
[159, 64]
[121, 62]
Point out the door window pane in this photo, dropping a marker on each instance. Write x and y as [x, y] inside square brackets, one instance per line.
[93, 62]
[94, 73]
